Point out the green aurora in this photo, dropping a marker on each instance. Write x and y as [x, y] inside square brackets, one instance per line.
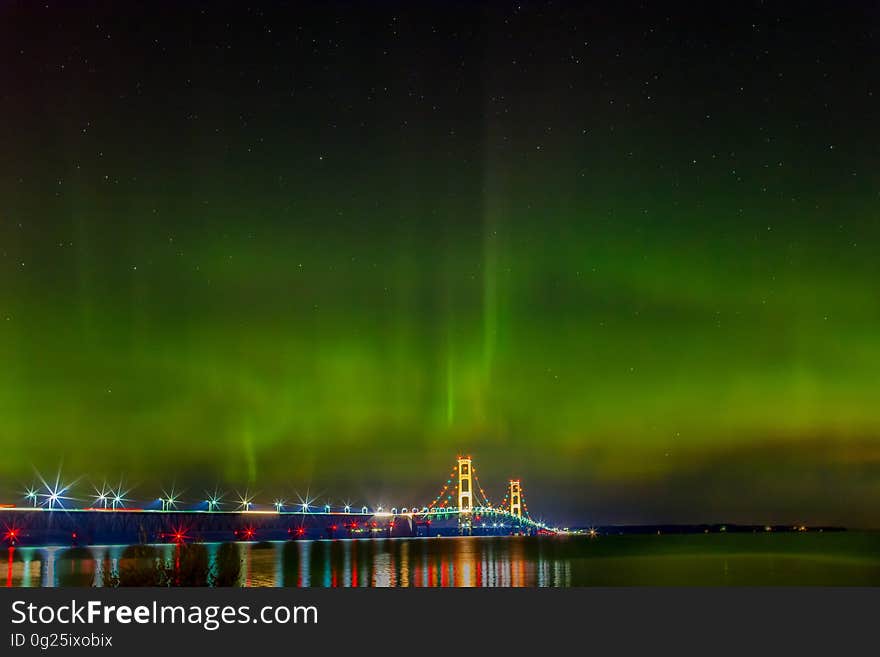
[650, 294]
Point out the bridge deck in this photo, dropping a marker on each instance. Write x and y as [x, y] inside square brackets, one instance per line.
[41, 526]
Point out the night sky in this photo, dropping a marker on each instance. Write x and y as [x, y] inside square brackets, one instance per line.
[626, 252]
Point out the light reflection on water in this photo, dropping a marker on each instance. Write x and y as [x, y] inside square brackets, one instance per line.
[840, 559]
[458, 562]
[431, 562]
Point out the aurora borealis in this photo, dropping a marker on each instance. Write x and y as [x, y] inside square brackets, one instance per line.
[629, 255]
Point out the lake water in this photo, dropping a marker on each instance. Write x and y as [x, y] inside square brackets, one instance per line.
[828, 559]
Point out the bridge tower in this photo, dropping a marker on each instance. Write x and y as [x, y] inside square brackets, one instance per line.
[465, 493]
[465, 484]
[514, 494]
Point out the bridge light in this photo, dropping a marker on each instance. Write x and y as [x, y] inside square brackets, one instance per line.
[245, 501]
[102, 495]
[117, 497]
[55, 493]
[31, 496]
[348, 508]
[169, 499]
[214, 499]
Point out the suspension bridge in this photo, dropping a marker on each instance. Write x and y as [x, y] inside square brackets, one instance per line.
[49, 516]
